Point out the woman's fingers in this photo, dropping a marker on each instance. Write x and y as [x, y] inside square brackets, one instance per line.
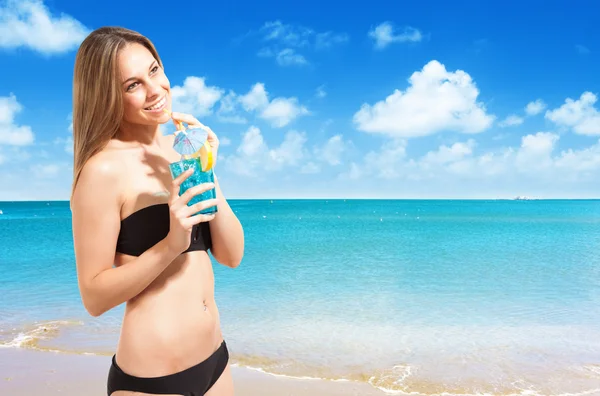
[200, 218]
[196, 190]
[200, 206]
[187, 118]
[191, 121]
[176, 184]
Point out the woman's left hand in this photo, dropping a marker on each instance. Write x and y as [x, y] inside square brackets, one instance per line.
[192, 122]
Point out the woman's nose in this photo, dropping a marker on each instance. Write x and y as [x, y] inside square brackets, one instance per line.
[154, 89]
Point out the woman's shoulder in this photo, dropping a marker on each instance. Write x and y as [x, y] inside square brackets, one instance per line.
[98, 192]
[104, 164]
[102, 174]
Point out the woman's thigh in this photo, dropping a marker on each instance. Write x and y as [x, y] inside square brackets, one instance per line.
[223, 386]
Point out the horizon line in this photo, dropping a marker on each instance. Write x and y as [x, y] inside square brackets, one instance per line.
[360, 199]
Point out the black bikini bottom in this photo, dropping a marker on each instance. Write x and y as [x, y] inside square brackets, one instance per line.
[194, 381]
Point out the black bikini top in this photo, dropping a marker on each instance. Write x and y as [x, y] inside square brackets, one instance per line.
[146, 227]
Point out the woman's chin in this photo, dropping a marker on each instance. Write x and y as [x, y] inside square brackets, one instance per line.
[164, 120]
[154, 119]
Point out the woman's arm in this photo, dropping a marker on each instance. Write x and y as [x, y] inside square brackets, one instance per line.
[96, 207]
[226, 232]
[225, 229]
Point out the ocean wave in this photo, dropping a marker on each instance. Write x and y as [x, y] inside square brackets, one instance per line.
[401, 379]
[30, 336]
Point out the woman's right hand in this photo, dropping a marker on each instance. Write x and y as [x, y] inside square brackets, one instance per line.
[183, 217]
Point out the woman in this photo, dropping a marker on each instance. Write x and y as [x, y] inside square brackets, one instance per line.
[136, 240]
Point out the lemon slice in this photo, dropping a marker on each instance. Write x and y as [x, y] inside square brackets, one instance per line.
[206, 156]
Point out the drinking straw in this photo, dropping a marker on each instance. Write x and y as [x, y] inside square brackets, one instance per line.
[179, 124]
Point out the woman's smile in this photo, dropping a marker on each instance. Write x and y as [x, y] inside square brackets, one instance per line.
[158, 106]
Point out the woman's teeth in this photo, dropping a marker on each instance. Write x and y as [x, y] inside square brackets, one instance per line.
[158, 105]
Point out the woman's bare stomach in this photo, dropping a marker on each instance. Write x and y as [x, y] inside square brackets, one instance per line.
[174, 323]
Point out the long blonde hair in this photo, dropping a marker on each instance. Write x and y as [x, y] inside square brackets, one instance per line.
[97, 93]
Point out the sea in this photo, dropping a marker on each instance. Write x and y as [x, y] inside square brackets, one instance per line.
[414, 297]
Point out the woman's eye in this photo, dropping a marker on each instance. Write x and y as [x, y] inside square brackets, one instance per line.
[154, 69]
[129, 88]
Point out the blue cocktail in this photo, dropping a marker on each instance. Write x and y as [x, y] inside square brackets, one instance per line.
[198, 177]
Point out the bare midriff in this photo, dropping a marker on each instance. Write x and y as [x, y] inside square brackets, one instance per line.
[174, 323]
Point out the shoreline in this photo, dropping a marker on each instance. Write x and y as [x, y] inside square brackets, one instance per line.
[27, 372]
[35, 365]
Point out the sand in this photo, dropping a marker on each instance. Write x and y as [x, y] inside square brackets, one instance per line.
[26, 372]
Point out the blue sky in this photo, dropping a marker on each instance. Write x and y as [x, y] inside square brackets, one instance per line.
[384, 99]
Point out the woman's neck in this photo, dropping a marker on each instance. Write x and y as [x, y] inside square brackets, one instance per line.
[145, 135]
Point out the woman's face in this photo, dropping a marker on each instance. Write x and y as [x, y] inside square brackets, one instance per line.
[145, 87]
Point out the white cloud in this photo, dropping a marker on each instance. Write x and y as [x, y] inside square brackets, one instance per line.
[252, 143]
[48, 170]
[11, 133]
[446, 154]
[582, 49]
[384, 35]
[227, 111]
[225, 141]
[580, 115]
[28, 23]
[291, 35]
[542, 143]
[332, 150]
[384, 163]
[255, 99]
[321, 92]
[69, 145]
[299, 36]
[329, 39]
[535, 108]
[284, 57]
[284, 40]
[582, 161]
[534, 162]
[310, 168]
[325, 125]
[66, 143]
[198, 99]
[279, 111]
[290, 152]
[195, 97]
[288, 57]
[266, 52]
[511, 120]
[535, 151]
[253, 157]
[436, 100]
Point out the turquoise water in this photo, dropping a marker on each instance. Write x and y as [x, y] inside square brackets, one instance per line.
[430, 296]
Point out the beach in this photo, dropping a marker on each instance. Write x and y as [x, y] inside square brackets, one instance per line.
[27, 372]
[343, 297]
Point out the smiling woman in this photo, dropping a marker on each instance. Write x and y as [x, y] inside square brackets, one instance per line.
[137, 241]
